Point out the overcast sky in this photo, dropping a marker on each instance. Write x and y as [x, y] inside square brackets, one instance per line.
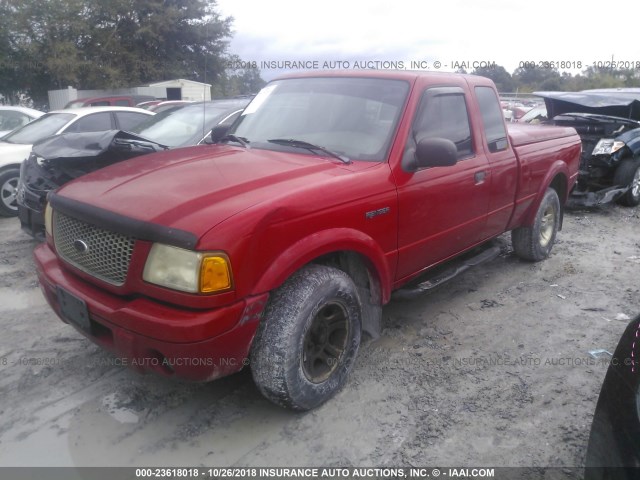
[500, 31]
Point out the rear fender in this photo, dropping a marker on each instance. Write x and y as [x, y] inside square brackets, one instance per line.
[558, 178]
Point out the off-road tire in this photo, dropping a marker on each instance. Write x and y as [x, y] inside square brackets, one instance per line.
[534, 243]
[628, 173]
[287, 349]
[8, 184]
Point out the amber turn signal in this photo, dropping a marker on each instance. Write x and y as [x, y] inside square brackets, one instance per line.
[215, 274]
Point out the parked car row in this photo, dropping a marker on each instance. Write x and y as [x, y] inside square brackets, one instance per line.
[56, 160]
[160, 105]
[141, 101]
[16, 146]
[175, 127]
[113, 101]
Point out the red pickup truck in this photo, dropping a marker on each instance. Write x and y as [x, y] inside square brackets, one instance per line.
[277, 246]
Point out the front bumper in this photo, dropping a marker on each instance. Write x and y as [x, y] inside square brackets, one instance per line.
[31, 209]
[196, 345]
[32, 222]
[579, 199]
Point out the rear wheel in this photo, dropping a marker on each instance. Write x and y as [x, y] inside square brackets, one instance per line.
[534, 243]
[8, 192]
[628, 174]
[309, 337]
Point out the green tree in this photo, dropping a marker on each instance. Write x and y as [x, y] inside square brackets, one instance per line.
[241, 82]
[94, 44]
[7, 66]
[502, 78]
[529, 79]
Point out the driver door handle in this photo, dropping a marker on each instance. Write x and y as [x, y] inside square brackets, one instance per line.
[480, 177]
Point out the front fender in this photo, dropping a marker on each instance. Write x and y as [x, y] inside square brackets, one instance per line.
[322, 243]
[632, 141]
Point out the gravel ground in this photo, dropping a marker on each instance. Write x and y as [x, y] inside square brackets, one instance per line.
[492, 369]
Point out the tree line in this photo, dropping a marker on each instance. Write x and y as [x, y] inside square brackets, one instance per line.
[101, 44]
[534, 78]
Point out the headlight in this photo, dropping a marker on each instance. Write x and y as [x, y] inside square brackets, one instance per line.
[48, 219]
[186, 270]
[607, 146]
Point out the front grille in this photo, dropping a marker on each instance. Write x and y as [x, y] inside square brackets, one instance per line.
[101, 253]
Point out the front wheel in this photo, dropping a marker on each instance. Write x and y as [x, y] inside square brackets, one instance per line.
[308, 340]
[628, 173]
[8, 192]
[534, 243]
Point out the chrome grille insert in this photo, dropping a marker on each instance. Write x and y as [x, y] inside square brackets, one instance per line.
[101, 253]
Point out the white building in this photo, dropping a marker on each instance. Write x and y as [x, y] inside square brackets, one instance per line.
[186, 89]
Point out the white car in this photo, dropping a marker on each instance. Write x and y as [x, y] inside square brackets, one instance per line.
[16, 146]
[16, 117]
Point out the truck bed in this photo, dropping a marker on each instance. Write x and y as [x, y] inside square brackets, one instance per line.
[522, 134]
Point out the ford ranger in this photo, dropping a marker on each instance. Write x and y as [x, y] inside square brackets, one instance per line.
[277, 246]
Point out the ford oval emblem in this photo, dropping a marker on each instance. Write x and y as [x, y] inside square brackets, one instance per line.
[80, 246]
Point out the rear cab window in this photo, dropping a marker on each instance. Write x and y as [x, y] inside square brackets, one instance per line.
[492, 120]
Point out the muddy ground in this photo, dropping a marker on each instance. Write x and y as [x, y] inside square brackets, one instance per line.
[492, 370]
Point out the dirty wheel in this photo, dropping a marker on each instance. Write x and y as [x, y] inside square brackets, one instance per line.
[8, 192]
[308, 339]
[628, 173]
[534, 243]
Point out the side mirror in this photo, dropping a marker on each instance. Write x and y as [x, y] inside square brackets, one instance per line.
[218, 132]
[436, 152]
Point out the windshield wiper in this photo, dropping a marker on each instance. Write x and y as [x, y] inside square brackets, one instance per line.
[232, 138]
[290, 142]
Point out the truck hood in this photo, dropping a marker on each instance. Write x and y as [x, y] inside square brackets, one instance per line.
[615, 104]
[193, 189]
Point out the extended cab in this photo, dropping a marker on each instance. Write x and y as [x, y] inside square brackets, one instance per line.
[278, 246]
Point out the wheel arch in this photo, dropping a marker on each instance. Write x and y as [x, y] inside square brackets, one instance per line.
[10, 166]
[558, 179]
[355, 253]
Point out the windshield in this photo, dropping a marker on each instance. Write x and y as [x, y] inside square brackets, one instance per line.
[535, 115]
[40, 128]
[182, 126]
[75, 104]
[353, 117]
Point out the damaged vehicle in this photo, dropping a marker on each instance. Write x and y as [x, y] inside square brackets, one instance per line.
[613, 451]
[608, 122]
[15, 146]
[55, 161]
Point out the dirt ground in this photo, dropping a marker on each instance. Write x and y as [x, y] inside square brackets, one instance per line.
[491, 370]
